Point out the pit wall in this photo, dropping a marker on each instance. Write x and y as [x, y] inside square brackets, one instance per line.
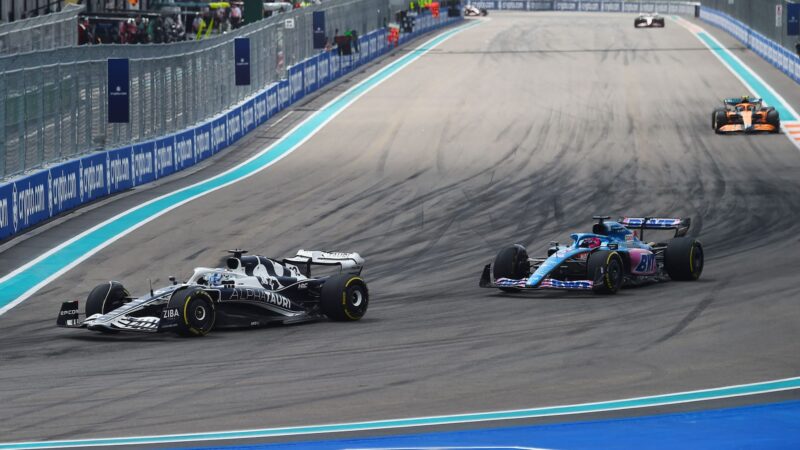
[37, 197]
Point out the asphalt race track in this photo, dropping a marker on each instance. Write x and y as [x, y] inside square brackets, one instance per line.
[517, 130]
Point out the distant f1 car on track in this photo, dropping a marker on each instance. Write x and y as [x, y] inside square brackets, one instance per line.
[745, 115]
[472, 10]
[251, 291]
[603, 261]
[648, 21]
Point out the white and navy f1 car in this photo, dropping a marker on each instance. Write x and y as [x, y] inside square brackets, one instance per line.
[613, 255]
[251, 291]
[648, 21]
[472, 10]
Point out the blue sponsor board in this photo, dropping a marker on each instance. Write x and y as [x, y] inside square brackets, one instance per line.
[185, 151]
[260, 108]
[63, 187]
[373, 45]
[93, 177]
[514, 5]
[6, 213]
[540, 6]
[219, 137]
[296, 82]
[323, 68]
[335, 67]
[793, 19]
[118, 88]
[283, 94]
[118, 170]
[318, 21]
[590, 6]
[566, 6]
[143, 163]
[612, 6]
[344, 64]
[241, 61]
[29, 201]
[630, 7]
[164, 156]
[233, 126]
[272, 100]
[310, 75]
[249, 116]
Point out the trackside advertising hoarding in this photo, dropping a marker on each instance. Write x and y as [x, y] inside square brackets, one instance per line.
[643, 6]
[39, 196]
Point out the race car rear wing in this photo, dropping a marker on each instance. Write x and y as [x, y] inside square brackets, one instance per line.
[350, 262]
[681, 226]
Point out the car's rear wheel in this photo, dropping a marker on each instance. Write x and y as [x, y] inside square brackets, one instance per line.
[607, 271]
[196, 311]
[684, 259]
[344, 297]
[105, 298]
[511, 262]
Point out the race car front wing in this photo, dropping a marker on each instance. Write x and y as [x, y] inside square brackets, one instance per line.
[546, 283]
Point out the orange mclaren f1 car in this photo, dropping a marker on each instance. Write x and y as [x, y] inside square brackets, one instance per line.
[745, 115]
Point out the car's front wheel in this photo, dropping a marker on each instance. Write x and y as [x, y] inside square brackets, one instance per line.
[196, 311]
[606, 270]
[511, 262]
[105, 298]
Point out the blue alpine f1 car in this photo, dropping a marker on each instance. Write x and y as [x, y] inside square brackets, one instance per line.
[613, 255]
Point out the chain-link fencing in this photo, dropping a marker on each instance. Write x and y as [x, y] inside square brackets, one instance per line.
[49, 31]
[55, 102]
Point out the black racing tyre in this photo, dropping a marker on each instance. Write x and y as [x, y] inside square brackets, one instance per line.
[606, 269]
[484, 12]
[718, 118]
[774, 119]
[106, 297]
[683, 259]
[196, 310]
[344, 297]
[511, 262]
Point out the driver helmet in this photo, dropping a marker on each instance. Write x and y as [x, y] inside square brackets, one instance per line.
[590, 242]
[745, 99]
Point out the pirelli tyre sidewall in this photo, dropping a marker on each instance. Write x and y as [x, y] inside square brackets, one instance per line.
[344, 297]
[105, 298]
[718, 118]
[196, 310]
[684, 259]
[511, 262]
[607, 271]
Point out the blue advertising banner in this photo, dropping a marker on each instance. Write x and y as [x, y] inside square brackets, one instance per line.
[318, 22]
[793, 19]
[164, 155]
[241, 61]
[296, 82]
[310, 75]
[344, 64]
[373, 45]
[93, 177]
[323, 68]
[29, 201]
[63, 186]
[143, 163]
[6, 213]
[261, 111]
[335, 60]
[185, 151]
[118, 170]
[283, 95]
[272, 100]
[219, 136]
[249, 116]
[118, 88]
[234, 126]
